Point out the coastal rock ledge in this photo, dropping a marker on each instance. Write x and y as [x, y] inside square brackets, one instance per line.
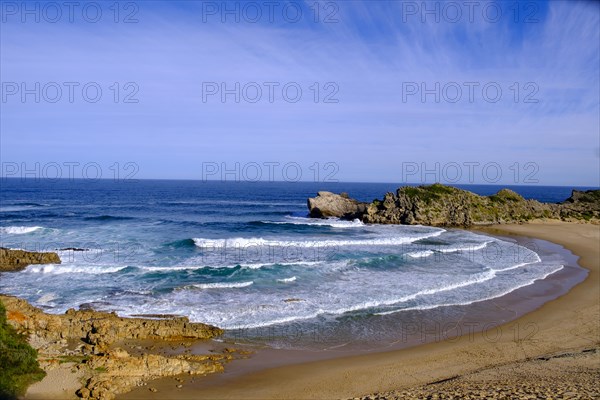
[113, 354]
[17, 260]
[440, 205]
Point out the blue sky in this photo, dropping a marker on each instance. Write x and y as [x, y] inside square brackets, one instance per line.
[370, 61]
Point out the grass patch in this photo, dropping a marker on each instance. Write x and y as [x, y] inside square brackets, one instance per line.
[18, 361]
[72, 359]
[428, 194]
[438, 188]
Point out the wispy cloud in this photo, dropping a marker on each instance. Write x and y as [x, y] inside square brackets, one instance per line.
[370, 57]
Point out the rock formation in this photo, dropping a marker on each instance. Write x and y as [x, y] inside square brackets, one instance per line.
[582, 205]
[95, 341]
[328, 204]
[16, 260]
[440, 205]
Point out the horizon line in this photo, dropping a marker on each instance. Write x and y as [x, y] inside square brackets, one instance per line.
[134, 180]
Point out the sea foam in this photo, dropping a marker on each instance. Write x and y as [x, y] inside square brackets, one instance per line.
[223, 285]
[19, 230]
[261, 242]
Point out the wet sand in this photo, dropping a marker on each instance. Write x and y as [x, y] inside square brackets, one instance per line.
[570, 322]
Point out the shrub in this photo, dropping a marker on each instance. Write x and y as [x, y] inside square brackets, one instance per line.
[18, 361]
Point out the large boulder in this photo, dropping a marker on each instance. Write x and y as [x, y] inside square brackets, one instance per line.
[16, 260]
[328, 204]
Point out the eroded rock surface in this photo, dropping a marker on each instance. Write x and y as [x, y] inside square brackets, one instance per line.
[440, 205]
[16, 260]
[328, 204]
[95, 341]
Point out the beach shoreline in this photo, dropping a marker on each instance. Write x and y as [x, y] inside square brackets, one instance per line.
[568, 322]
[548, 329]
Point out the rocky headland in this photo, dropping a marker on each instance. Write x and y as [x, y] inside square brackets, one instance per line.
[113, 354]
[441, 205]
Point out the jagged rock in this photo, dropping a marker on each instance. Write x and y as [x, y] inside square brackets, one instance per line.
[73, 249]
[121, 371]
[16, 260]
[111, 370]
[440, 205]
[328, 204]
[582, 205]
[100, 328]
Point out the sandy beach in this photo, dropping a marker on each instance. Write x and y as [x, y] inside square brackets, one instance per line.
[565, 329]
[307, 200]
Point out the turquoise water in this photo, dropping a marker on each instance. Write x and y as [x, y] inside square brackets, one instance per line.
[244, 255]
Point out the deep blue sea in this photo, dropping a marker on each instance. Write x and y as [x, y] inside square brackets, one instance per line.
[244, 255]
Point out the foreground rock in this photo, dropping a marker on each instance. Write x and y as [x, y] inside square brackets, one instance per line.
[440, 205]
[16, 260]
[328, 204]
[95, 342]
[100, 328]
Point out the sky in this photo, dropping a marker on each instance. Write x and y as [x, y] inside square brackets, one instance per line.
[359, 91]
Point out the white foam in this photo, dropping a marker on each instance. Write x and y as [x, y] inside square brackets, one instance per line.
[47, 298]
[478, 278]
[260, 242]
[277, 321]
[58, 269]
[487, 275]
[272, 264]
[19, 230]
[178, 268]
[333, 222]
[420, 254]
[471, 247]
[248, 266]
[223, 285]
[286, 280]
[14, 208]
[466, 303]
[538, 259]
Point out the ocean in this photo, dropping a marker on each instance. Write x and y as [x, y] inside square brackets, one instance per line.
[244, 255]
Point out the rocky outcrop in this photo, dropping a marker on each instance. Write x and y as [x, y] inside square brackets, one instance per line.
[582, 205]
[16, 260]
[328, 204]
[95, 342]
[440, 205]
[118, 371]
[100, 328]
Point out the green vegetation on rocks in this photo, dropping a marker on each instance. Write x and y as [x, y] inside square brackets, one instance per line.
[108, 368]
[18, 361]
[440, 205]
